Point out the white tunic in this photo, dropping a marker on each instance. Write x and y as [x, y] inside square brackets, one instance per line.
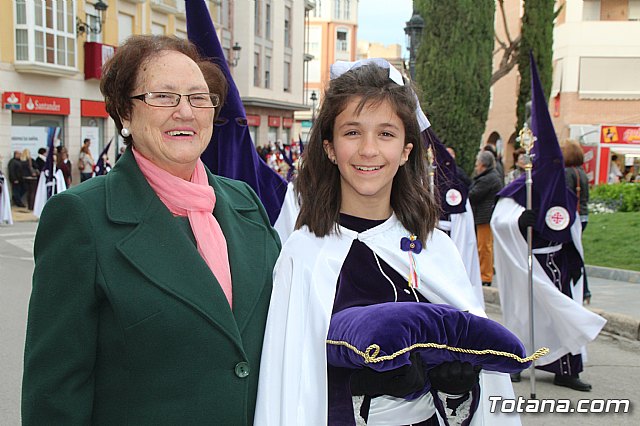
[561, 323]
[293, 374]
[5, 204]
[58, 185]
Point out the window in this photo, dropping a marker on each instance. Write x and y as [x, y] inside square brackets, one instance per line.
[341, 43]
[51, 26]
[157, 29]
[224, 13]
[256, 17]
[267, 23]
[591, 10]
[256, 69]
[347, 10]
[317, 13]
[267, 72]
[125, 27]
[634, 10]
[287, 77]
[336, 12]
[94, 22]
[287, 28]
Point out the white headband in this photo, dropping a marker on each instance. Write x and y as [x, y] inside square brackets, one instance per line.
[340, 67]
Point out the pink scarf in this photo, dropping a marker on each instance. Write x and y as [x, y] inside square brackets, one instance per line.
[196, 200]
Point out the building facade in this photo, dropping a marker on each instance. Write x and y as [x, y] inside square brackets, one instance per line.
[331, 36]
[596, 89]
[51, 53]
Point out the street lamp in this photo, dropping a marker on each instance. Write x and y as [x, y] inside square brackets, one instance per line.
[413, 30]
[84, 27]
[236, 48]
[314, 99]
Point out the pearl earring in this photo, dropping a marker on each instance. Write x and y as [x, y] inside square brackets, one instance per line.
[125, 132]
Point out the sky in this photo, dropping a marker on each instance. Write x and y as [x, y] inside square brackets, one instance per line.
[383, 21]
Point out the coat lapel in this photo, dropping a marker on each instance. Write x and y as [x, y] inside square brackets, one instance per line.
[160, 250]
[246, 246]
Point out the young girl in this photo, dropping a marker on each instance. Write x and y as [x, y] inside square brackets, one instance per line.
[362, 187]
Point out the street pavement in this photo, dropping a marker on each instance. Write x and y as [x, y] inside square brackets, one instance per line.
[613, 365]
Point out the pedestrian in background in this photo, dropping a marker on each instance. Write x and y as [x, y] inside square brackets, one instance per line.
[482, 196]
[15, 177]
[85, 161]
[64, 164]
[518, 166]
[615, 175]
[499, 167]
[578, 183]
[40, 159]
[151, 283]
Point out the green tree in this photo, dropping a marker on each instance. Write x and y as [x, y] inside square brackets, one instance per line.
[453, 71]
[537, 37]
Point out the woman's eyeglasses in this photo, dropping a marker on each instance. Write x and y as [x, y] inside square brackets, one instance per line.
[169, 100]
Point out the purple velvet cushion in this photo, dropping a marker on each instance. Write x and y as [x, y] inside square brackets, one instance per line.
[440, 333]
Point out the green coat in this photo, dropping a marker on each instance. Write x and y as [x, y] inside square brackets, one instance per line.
[127, 324]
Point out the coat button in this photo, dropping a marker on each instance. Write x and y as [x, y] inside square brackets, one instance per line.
[242, 369]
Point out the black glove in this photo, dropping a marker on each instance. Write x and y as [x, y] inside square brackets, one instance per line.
[454, 378]
[526, 219]
[398, 383]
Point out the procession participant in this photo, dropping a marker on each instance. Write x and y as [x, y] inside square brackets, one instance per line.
[561, 323]
[151, 283]
[363, 187]
[456, 218]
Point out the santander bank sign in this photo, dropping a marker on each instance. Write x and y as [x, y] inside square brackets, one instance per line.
[33, 104]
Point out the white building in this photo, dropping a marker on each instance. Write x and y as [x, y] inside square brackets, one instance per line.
[51, 53]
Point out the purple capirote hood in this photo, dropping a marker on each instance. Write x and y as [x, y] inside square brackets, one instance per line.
[549, 186]
[446, 176]
[232, 152]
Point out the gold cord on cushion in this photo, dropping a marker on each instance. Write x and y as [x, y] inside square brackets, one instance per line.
[372, 352]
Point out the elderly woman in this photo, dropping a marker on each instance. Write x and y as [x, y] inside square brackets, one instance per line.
[156, 314]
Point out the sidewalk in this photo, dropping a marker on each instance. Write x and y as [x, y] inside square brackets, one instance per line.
[615, 300]
[22, 214]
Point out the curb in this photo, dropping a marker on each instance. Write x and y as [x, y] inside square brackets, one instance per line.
[617, 324]
[613, 274]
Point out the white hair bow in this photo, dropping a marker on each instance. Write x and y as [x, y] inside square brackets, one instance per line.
[340, 67]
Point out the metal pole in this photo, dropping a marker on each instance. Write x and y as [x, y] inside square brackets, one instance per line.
[527, 140]
[432, 169]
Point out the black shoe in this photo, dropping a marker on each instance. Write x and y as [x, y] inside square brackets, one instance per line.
[571, 382]
[515, 377]
[486, 283]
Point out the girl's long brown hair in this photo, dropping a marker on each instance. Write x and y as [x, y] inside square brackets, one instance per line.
[318, 182]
